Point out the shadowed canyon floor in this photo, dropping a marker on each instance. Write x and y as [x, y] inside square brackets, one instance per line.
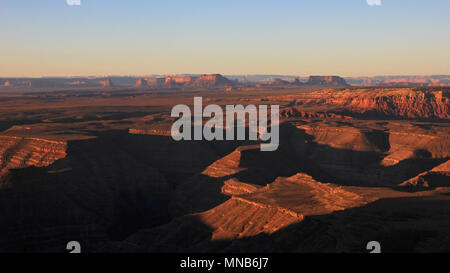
[99, 166]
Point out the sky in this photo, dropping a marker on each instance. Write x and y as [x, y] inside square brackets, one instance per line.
[232, 37]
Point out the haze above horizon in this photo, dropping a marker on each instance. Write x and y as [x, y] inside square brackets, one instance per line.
[287, 37]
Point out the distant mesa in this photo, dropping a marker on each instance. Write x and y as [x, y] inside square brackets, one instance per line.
[77, 83]
[142, 83]
[201, 81]
[213, 80]
[327, 81]
[221, 81]
[92, 82]
[155, 81]
[178, 80]
[404, 81]
[331, 81]
[280, 82]
[150, 82]
[297, 81]
[107, 83]
[45, 83]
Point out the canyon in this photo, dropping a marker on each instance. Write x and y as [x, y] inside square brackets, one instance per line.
[99, 166]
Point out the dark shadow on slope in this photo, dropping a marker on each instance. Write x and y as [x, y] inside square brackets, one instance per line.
[292, 157]
[380, 139]
[105, 189]
[6, 124]
[199, 193]
[402, 225]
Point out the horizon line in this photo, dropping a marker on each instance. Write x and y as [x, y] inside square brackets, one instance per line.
[227, 75]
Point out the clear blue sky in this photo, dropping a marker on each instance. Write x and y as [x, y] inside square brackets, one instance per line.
[295, 37]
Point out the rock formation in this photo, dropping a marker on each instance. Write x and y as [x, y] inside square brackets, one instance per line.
[404, 103]
[393, 103]
[20, 152]
[178, 80]
[212, 80]
[433, 80]
[106, 83]
[155, 81]
[142, 83]
[327, 81]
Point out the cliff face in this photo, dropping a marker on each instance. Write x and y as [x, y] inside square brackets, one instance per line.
[18, 152]
[327, 80]
[403, 103]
